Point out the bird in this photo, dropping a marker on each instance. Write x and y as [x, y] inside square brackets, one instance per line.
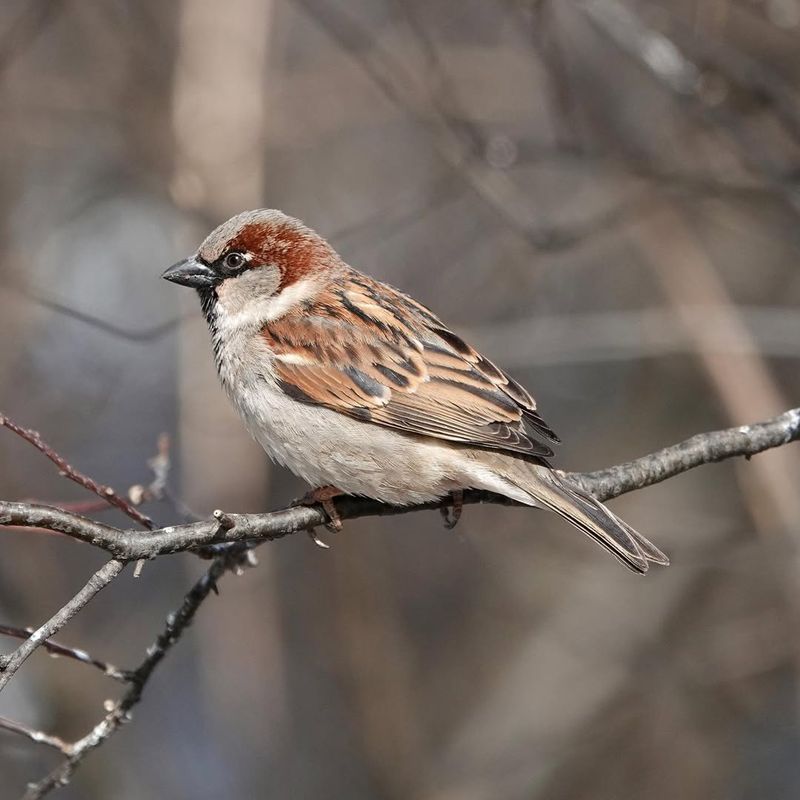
[359, 389]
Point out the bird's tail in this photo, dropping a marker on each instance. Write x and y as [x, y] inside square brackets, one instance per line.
[592, 517]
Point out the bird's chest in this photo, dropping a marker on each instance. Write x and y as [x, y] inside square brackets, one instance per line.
[292, 433]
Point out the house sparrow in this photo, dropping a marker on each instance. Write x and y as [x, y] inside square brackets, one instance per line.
[359, 389]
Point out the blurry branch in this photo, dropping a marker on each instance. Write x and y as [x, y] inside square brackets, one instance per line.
[699, 184]
[438, 89]
[782, 16]
[686, 72]
[464, 147]
[19, 36]
[224, 528]
[651, 48]
[404, 212]
[763, 83]
[688, 64]
[217, 96]
[160, 465]
[142, 335]
[117, 331]
[543, 30]
[460, 144]
[636, 334]
[230, 537]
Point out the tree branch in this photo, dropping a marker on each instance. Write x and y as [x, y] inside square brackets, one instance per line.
[34, 735]
[232, 537]
[10, 664]
[120, 712]
[704, 448]
[130, 545]
[68, 471]
[75, 653]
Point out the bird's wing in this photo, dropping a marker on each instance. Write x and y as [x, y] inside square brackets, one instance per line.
[368, 351]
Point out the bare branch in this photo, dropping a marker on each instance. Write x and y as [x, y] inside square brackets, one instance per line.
[34, 735]
[130, 545]
[79, 527]
[120, 713]
[705, 448]
[75, 653]
[10, 664]
[244, 529]
[68, 471]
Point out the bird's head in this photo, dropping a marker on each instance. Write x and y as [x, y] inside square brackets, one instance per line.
[261, 263]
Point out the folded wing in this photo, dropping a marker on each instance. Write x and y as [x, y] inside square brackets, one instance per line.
[368, 351]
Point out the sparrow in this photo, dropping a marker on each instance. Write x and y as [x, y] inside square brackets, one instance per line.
[359, 389]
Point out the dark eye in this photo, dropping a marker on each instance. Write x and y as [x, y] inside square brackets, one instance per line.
[233, 261]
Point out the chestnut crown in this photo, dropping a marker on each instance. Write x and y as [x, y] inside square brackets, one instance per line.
[254, 239]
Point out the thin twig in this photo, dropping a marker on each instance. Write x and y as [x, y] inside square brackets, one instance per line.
[10, 664]
[68, 471]
[35, 736]
[120, 713]
[57, 649]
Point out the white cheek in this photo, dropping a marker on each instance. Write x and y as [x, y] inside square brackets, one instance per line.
[284, 301]
[241, 306]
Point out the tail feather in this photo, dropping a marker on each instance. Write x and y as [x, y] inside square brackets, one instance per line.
[590, 516]
[651, 552]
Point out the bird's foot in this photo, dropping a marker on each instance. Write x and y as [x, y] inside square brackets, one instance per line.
[453, 515]
[323, 496]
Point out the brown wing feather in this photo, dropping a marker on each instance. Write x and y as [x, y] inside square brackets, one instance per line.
[371, 352]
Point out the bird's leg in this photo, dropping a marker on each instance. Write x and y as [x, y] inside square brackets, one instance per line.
[323, 495]
[451, 519]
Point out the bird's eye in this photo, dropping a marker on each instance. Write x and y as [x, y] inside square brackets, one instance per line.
[233, 261]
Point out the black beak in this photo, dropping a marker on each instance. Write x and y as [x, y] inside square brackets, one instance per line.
[191, 272]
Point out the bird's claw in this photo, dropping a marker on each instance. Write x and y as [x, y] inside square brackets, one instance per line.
[312, 534]
[323, 496]
[452, 514]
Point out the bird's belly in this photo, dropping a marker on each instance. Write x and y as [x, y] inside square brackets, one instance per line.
[327, 448]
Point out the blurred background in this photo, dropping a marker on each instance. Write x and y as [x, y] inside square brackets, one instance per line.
[604, 197]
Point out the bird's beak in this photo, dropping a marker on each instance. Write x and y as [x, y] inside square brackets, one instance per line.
[191, 272]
